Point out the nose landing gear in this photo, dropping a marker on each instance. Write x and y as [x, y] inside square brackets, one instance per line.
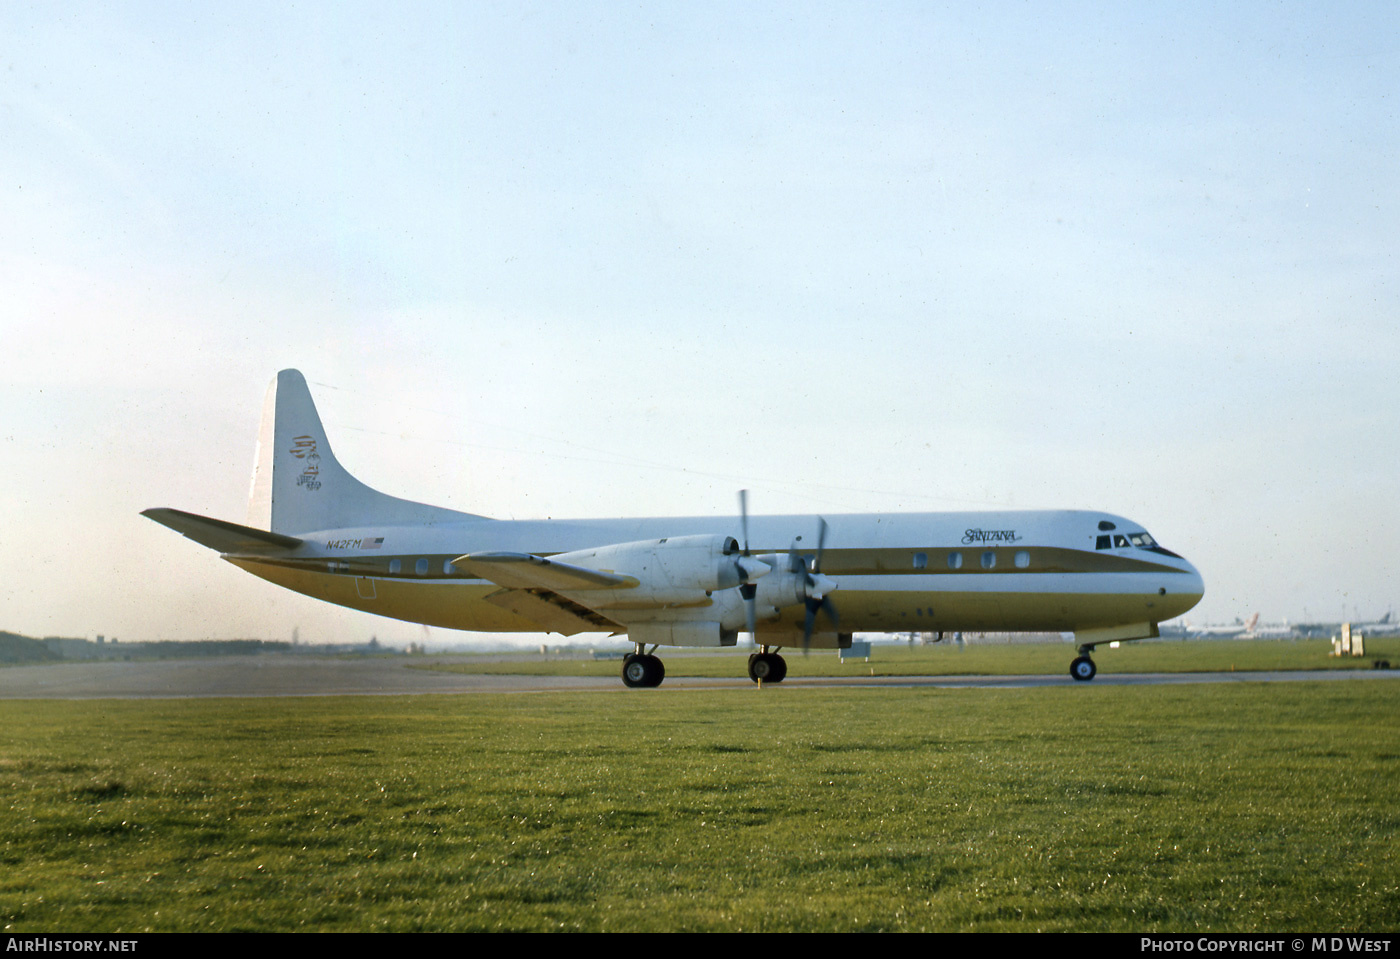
[1083, 668]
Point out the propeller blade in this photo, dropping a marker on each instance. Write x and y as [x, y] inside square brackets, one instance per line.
[744, 517]
[821, 545]
[796, 564]
[809, 621]
[817, 588]
[749, 568]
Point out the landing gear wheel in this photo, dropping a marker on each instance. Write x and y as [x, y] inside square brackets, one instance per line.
[642, 671]
[767, 667]
[1083, 669]
[779, 668]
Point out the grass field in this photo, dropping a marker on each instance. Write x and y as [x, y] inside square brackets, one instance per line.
[1233, 807]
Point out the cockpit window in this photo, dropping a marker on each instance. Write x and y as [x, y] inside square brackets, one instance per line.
[1119, 541]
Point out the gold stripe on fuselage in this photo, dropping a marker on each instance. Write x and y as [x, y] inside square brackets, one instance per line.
[454, 602]
[930, 561]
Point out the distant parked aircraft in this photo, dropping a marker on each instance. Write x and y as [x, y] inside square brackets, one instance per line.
[1223, 632]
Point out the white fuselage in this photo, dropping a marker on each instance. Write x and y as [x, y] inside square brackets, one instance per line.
[1024, 570]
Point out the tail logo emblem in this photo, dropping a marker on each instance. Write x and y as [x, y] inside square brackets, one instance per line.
[304, 448]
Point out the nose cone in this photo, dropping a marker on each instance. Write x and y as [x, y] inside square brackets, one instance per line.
[1198, 585]
[1185, 590]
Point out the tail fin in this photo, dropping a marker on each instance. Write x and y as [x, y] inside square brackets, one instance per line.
[300, 487]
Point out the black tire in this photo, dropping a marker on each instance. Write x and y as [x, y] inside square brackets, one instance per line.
[1083, 669]
[642, 672]
[767, 667]
[779, 669]
[758, 667]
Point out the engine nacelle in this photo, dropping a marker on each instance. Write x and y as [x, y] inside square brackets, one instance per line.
[676, 571]
[781, 588]
[791, 583]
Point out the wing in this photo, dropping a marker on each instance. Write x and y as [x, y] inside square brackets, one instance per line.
[554, 613]
[674, 591]
[220, 535]
[528, 571]
[535, 587]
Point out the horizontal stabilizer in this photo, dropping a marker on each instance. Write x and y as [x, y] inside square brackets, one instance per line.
[528, 571]
[220, 535]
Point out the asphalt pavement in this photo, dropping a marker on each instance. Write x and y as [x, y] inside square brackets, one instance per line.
[309, 675]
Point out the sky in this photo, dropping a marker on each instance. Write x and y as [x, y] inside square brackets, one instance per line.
[605, 259]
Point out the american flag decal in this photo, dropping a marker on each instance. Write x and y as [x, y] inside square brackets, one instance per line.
[373, 542]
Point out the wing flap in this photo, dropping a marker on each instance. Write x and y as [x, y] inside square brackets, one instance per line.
[553, 612]
[528, 571]
[220, 535]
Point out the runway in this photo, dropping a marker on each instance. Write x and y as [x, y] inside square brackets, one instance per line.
[301, 675]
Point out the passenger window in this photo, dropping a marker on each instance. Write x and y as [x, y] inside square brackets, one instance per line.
[448, 568]
[421, 567]
[1023, 559]
[395, 566]
[989, 560]
[955, 560]
[921, 560]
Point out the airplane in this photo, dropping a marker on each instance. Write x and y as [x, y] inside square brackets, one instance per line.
[1385, 626]
[1245, 628]
[1283, 630]
[686, 581]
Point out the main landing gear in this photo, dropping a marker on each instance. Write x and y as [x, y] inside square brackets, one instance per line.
[641, 669]
[766, 667]
[1083, 668]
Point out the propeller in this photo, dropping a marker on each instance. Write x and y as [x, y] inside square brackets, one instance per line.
[817, 587]
[814, 586]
